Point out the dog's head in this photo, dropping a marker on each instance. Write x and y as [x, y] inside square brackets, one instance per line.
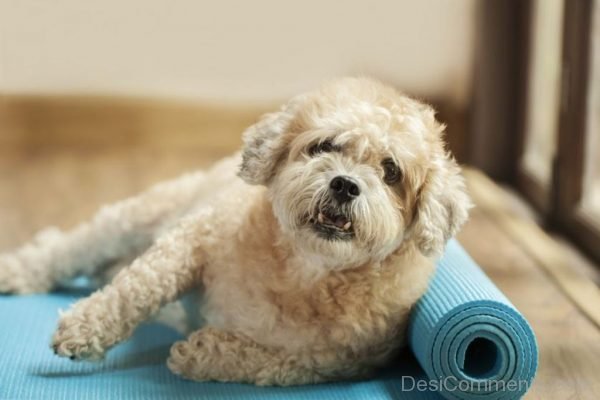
[354, 170]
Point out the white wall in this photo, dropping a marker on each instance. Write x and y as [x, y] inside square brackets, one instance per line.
[233, 50]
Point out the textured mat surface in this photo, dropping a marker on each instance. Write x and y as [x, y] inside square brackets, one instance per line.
[462, 307]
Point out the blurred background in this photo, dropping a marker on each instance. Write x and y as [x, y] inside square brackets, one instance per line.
[98, 100]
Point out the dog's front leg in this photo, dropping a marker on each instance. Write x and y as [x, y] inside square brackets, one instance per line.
[170, 267]
[210, 354]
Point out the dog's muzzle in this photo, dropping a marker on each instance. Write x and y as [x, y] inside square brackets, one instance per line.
[332, 224]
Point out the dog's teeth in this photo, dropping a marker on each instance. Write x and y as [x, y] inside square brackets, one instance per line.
[320, 217]
[347, 225]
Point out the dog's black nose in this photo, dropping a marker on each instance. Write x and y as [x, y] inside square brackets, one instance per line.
[344, 188]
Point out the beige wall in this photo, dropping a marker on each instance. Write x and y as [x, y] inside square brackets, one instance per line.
[233, 50]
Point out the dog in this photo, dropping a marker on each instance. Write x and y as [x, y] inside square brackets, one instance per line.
[306, 250]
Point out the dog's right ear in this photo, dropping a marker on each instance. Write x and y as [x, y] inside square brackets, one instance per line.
[265, 146]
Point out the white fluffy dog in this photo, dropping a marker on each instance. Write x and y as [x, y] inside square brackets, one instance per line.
[307, 250]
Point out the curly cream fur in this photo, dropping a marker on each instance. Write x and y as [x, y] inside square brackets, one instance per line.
[280, 304]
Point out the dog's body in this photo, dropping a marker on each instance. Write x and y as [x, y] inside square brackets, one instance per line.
[307, 266]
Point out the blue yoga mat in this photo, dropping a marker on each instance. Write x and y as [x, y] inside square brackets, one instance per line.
[463, 332]
[468, 337]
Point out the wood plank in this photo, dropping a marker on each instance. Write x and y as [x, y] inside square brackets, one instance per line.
[569, 342]
[540, 246]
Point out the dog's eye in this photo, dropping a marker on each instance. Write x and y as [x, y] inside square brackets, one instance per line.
[323, 147]
[392, 173]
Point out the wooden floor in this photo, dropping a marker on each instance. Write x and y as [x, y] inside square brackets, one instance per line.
[45, 184]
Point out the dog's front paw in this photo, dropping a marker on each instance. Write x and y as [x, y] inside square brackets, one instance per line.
[194, 358]
[188, 361]
[213, 355]
[77, 338]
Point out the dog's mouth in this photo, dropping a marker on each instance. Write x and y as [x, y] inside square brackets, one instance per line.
[332, 225]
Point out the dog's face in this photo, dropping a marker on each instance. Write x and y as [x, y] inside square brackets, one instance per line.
[354, 170]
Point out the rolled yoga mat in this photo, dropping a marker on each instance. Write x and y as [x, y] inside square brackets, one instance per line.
[468, 337]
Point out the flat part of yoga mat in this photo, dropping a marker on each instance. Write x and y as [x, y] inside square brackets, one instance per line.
[466, 333]
[136, 368]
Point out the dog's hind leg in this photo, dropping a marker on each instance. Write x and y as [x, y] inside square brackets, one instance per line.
[121, 230]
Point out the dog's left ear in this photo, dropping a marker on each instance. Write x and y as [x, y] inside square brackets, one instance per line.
[265, 146]
[442, 203]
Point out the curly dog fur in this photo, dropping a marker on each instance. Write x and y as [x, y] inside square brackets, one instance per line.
[306, 250]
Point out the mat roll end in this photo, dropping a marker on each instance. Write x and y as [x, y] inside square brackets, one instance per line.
[470, 340]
